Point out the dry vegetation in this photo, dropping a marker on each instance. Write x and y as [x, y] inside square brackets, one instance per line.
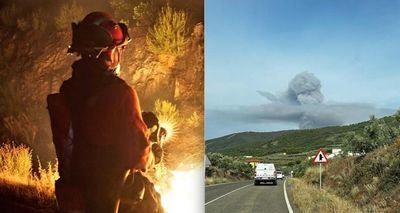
[19, 184]
[216, 180]
[169, 34]
[370, 181]
[309, 198]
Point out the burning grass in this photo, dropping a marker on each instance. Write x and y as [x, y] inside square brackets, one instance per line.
[179, 176]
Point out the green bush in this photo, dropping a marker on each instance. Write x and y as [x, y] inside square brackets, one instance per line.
[69, 12]
[301, 167]
[376, 134]
[231, 164]
[168, 35]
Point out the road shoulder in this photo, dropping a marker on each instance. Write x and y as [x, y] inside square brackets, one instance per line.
[290, 196]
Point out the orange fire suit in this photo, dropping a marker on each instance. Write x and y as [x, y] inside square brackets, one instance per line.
[109, 135]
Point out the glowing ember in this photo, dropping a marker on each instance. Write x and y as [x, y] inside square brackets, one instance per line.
[186, 192]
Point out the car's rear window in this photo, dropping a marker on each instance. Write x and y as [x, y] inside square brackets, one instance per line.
[265, 167]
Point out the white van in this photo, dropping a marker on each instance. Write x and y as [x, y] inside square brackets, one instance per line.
[265, 172]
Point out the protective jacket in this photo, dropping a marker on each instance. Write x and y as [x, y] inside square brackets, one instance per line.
[105, 111]
[107, 132]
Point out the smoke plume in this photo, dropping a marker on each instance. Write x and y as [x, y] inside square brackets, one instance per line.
[301, 103]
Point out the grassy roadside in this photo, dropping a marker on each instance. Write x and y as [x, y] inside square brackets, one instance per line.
[218, 180]
[308, 198]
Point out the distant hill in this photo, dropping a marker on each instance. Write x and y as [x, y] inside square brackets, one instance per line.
[288, 141]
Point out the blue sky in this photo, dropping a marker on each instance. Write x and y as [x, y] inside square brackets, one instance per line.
[351, 47]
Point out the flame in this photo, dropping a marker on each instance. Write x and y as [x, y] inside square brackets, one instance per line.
[185, 192]
[171, 127]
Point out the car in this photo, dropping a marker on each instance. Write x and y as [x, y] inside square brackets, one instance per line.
[279, 175]
[265, 173]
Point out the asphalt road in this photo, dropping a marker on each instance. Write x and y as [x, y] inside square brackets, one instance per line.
[245, 197]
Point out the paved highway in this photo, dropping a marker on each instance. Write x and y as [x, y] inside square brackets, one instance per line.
[244, 197]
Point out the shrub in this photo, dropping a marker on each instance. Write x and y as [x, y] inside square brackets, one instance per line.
[376, 134]
[46, 177]
[300, 167]
[370, 180]
[69, 12]
[16, 165]
[168, 35]
[15, 162]
[142, 14]
[311, 175]
[231, 164]
[122, 9]
[18, 182]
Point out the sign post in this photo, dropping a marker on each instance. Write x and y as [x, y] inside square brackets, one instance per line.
[320, 158]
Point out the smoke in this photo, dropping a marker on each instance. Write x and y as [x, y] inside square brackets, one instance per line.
[303, 89]
[303, 104]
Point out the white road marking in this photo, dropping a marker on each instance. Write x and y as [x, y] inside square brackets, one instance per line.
[286, 198]
[227, 194]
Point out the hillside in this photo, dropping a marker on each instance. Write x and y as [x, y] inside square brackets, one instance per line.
[289, 141]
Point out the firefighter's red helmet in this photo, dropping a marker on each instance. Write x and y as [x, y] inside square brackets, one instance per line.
[96, 31]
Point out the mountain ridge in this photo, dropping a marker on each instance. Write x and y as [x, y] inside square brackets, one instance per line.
[284, 141]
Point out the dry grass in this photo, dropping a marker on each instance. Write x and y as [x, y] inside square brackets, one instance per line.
[216, 180]
[308, 198]
[19, 184]
[15, 162]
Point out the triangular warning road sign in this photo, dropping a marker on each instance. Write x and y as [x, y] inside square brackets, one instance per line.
[320, 157]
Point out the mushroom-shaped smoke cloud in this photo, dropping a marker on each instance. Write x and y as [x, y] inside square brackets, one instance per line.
[303, 89]
[302, 103]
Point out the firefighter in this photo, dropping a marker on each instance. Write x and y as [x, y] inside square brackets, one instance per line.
[102, 119]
